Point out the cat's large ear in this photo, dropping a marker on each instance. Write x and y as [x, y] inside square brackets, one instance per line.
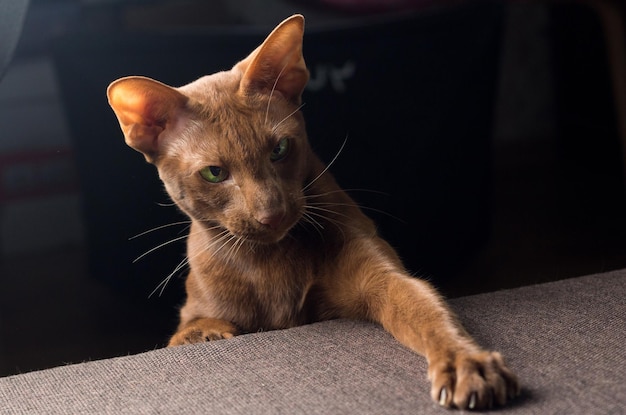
[144, 107]
[277, 65]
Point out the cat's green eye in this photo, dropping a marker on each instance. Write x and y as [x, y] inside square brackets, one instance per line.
[214, 174]
[280, 151]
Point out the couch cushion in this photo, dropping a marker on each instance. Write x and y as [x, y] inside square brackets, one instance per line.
[564, 339]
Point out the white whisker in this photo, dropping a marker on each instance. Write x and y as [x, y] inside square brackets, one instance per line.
[227, 238]
[218, 238]
[328, 166]
[167, 279]
[286, 118]
[186, 222]
[171, 241]
[321, 209]
[267, 110]
[308, 219]
[331, 204]
[338, 224]
[344, 191]
[233, 245]
[240, 242]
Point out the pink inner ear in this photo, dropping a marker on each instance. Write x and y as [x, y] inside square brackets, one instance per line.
[278, 63]
[143, 107]
[130, 105]
[134, 106]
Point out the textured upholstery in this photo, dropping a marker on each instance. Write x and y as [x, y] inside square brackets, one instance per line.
[564, 339]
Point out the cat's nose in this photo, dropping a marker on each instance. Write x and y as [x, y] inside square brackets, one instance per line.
[273, 219]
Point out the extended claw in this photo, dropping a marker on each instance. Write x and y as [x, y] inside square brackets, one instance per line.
[472, 401]
[443, 396]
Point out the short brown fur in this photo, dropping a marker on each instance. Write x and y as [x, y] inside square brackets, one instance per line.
[275, 243]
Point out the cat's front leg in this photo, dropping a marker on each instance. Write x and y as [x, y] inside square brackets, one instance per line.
[202, 330]
[462, 374]
[373, 286]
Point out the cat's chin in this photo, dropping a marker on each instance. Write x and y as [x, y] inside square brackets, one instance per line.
[263, 242]
[266, 238]
[252, 236]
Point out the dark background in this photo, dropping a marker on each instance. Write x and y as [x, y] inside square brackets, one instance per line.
[486, 133]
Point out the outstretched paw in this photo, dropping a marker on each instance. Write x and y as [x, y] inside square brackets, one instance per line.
[203, 330]
[472, 380]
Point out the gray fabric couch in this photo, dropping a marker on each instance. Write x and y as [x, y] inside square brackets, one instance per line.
[566, 340]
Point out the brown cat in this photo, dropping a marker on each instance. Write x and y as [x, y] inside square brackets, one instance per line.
[274, 241]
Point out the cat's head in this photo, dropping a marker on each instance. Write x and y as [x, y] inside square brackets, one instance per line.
[231, 147]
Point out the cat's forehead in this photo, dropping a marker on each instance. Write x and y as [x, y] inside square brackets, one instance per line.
[221, 90]
[224, 126]
[219, 106]
[231, 134]
[210, 89]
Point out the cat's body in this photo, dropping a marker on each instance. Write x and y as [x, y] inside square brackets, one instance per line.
[274, 242]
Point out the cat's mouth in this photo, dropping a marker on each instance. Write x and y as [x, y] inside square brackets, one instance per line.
[267, 236]
[266, 232]
[250, 231]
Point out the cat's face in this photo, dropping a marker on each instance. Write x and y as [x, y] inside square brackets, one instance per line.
[231, 147]
[239, 162]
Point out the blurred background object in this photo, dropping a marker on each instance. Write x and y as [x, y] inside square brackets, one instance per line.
[12, 15]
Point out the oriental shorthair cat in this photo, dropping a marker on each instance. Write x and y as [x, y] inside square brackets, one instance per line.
[274, 242]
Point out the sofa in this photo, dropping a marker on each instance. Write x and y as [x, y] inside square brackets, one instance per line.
[565, 340]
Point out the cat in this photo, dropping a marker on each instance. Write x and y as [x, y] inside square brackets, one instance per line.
[274, 241]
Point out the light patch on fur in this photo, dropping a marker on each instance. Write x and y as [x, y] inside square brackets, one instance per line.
[185, 143]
